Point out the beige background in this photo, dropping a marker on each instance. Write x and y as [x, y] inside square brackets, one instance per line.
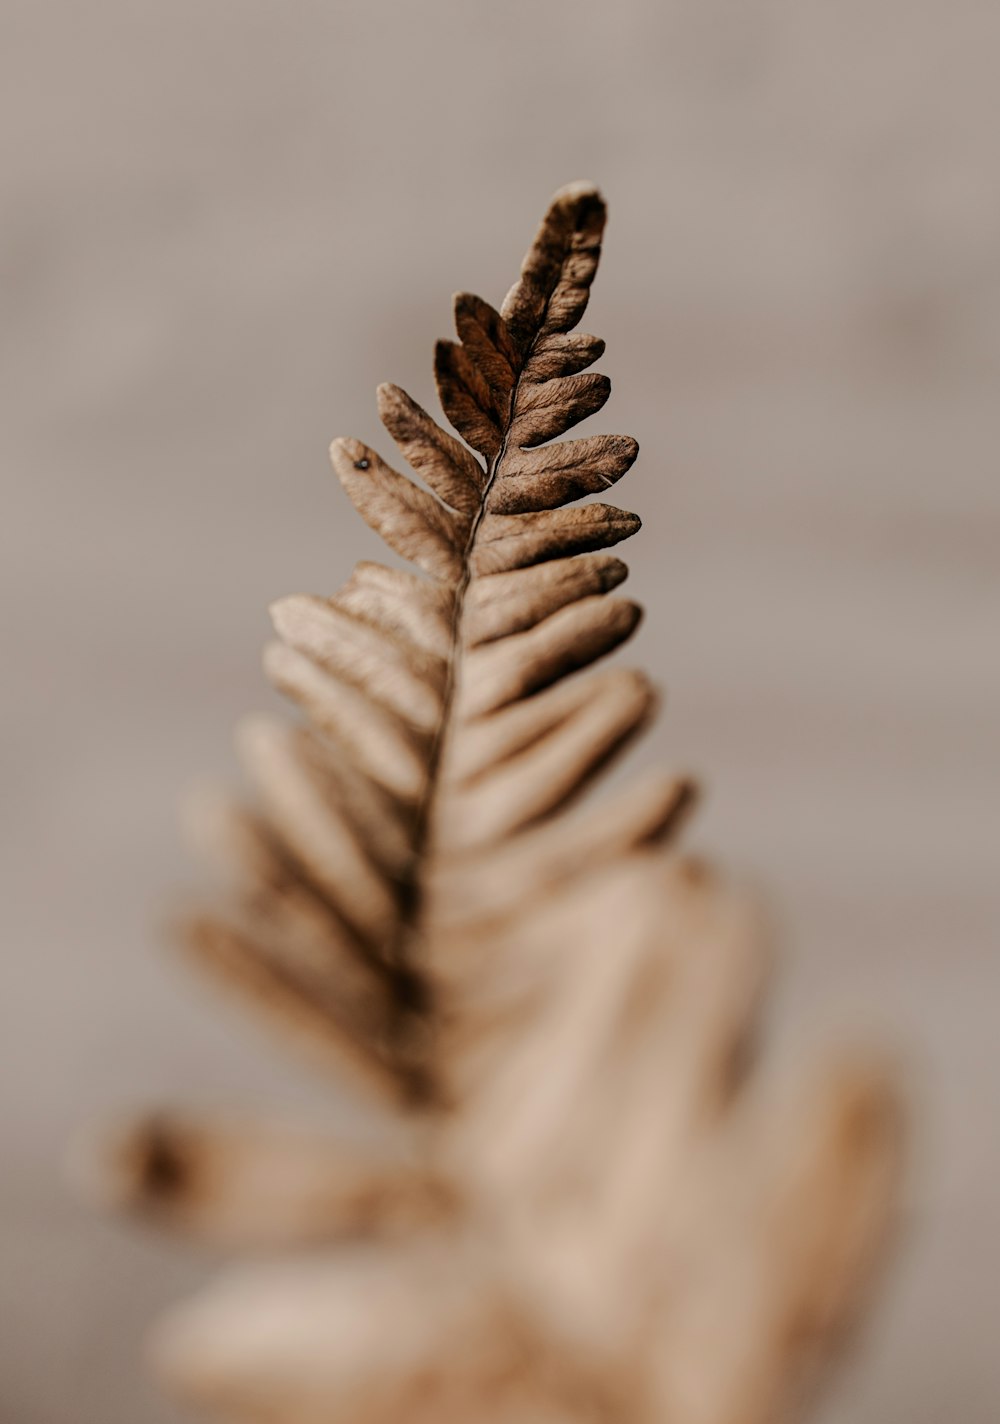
[223, 223]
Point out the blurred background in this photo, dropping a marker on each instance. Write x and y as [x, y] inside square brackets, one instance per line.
[223, 223]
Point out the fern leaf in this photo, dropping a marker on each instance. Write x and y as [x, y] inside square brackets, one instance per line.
[506, 613]
[594, 1206]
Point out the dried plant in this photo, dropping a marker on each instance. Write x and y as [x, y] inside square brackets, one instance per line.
[588, 1204]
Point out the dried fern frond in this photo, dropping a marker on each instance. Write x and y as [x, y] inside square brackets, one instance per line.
[595, 1207]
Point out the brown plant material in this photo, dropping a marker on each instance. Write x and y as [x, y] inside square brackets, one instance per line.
[595, 1206]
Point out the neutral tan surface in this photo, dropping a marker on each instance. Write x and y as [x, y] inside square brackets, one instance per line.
[223, 224]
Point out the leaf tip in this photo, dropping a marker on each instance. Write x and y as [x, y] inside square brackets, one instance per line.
[347, 455]
[388, 394]
[284, 613]
[581, 191]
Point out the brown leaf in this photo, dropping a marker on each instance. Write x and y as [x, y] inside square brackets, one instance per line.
[513, 541]
[561, 354]
[410, 521]
[552, 407]
[486, 341]
[512, 668]
[398, 676]
[381, 823]
[380, 743]
[401, 603]
[346, 1024]
[557, 474]
[467, 399]
[454, 474]
[550, 296]
[641, 1229]
[336, 849]
[553, 768]
[252, 1184]
[500, 604]
[499, 880]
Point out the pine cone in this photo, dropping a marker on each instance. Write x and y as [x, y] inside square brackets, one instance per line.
[591, 1204]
